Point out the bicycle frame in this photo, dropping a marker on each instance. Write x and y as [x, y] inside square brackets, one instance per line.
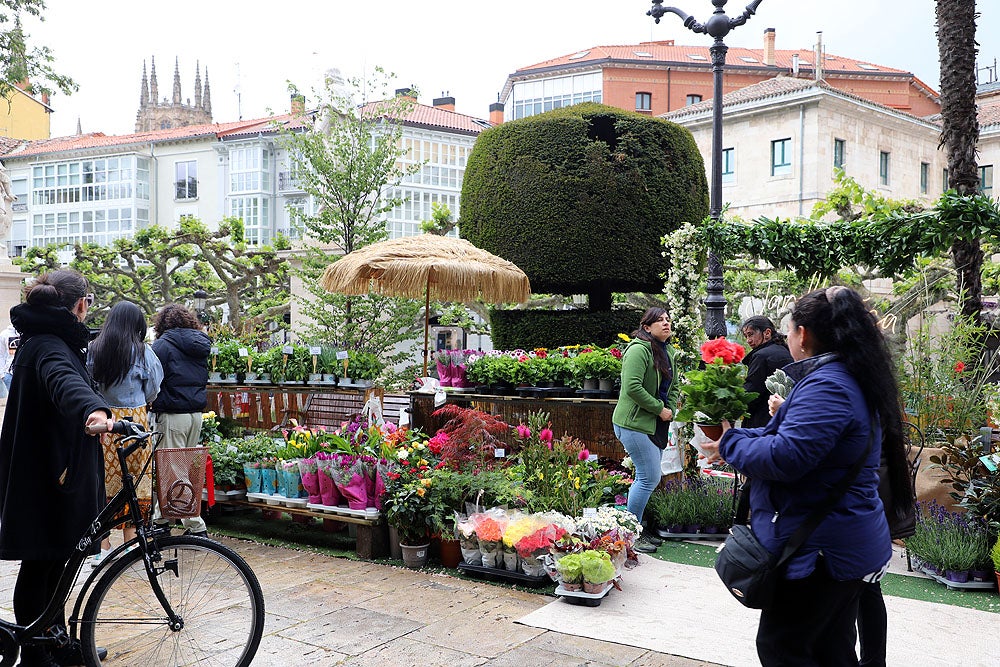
[145, 541]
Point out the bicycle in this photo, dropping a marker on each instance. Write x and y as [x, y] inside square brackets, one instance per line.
[156, 600]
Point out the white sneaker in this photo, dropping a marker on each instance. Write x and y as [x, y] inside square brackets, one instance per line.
[97, 559]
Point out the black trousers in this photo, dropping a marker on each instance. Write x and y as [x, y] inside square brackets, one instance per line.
[872, 626]
[811, 623]
[36, 582]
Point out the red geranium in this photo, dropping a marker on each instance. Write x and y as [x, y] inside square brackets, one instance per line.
[720, 348]
[616, 353]
[959, 366]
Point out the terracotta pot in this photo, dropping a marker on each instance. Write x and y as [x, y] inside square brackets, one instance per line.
[594, 588]
[394, 550]
[451, 553]
[574, 587]
[711, 431]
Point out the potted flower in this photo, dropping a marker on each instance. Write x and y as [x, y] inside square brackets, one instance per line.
[716, 392]
[227, 359]
[412, 510]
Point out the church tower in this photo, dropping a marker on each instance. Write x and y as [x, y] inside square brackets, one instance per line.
[157, 114]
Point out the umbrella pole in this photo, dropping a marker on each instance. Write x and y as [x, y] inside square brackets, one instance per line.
[427, 315]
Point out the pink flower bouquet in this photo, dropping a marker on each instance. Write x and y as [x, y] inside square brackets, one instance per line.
[309, 470]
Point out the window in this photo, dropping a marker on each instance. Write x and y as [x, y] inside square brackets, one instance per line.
[986, 180]
[883, 168]
[944, 180]
[186, 180]
[533, 97]
[692, 99]
[925, 171]
[643, 101]
[781, 157]
[839, 148]
[728, 165]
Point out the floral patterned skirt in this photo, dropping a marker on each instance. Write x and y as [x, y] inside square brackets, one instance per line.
[136, 461]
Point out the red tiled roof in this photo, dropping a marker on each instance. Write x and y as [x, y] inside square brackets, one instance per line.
[776, 87]
[7, 144]
[100, 140]
[668, 52]
[989, 114]
[437, 118]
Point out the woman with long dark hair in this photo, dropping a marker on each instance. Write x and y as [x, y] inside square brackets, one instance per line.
[844, 406]
[128, 375]
[51, 469]
[649, 393]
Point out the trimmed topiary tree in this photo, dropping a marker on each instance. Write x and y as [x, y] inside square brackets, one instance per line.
[580, 197]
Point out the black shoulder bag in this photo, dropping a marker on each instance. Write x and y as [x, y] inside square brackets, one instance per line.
[748, 569]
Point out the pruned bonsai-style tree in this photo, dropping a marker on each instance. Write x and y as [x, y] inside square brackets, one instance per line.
[580, 198]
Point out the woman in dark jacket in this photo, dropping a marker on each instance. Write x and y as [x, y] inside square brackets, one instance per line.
[843, 377]
[51, 464]
[768, 352]
[183, 349]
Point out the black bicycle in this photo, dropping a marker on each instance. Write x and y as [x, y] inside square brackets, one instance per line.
[156, 600]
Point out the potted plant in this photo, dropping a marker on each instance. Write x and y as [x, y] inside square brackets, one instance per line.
[597, 569]
[298, 365]
[716, 392]
[270, 364]
[227, 360]
[570, 571]
[995, 556]
[363, 367]
[413, 511]
[328, 365]
[597, 368]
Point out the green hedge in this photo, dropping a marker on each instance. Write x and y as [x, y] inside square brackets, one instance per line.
[528, 329]
[580, 197]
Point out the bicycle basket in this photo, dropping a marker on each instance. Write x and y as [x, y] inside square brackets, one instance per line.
[180, 478]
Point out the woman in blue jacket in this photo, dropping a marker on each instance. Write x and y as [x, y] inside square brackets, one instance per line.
[844, 375]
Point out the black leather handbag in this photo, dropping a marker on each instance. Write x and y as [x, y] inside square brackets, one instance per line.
[748, 569]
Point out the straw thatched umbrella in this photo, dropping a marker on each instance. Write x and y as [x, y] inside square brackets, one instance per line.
[440, 267]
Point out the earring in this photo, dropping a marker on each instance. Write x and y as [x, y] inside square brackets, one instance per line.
[802, 349]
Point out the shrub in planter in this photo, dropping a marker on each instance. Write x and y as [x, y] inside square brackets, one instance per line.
[363, 366]
[597, 364]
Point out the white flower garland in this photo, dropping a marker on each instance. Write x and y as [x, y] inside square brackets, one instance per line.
[685, 250]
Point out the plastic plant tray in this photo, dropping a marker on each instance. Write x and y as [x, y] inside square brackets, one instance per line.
[495, 573]
[958, 585]
[582, 597]
[692, 536]
[344, 510]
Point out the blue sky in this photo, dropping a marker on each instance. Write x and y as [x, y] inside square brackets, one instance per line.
[463, 47]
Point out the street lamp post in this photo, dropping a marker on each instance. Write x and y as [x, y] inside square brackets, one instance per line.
[200, 301]
[718, 26]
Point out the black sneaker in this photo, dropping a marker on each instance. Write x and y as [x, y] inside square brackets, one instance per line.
[644, 546]
[652, 539]
[73, 654]
[198, 533]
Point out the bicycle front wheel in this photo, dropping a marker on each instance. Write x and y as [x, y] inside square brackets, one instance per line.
[212, 590]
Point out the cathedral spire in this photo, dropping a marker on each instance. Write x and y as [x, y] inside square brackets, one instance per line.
[144, 92]
[177, 81]
[197, 84]
[206, 100]
[154, 92]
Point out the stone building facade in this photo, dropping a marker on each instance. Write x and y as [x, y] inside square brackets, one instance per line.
[156, 114]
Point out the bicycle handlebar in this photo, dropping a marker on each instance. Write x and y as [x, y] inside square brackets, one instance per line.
[129, 428]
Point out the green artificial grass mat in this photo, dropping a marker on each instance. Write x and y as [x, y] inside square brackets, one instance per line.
[914, 588]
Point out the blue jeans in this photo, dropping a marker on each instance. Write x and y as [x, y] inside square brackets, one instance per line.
[646, 458]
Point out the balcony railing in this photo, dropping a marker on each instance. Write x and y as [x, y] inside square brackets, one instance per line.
[288, 180]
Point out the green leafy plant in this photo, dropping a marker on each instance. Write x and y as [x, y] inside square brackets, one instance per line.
[363, 366]
[717, 392]
[299, 364]
[995, 555]
[228, 359]
[596, 566]
[415, 511]
[570, 568]
[597, 364]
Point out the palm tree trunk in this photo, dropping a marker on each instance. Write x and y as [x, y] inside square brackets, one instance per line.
[956, 32]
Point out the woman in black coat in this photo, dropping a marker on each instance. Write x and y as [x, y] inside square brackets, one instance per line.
[768, 352]
[51, 464]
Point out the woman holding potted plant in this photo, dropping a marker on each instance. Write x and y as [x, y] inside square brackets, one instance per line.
[648, 395]
[843, 409]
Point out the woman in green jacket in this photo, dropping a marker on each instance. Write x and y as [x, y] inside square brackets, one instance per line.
[648, 393]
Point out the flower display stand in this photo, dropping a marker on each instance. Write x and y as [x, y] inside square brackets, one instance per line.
[957, 585]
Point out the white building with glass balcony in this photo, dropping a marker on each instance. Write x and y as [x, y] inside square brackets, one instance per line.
[94, 188]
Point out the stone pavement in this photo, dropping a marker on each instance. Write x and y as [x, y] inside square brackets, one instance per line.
[324, 611]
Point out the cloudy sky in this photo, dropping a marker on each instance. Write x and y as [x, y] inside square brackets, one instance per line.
[463, 47]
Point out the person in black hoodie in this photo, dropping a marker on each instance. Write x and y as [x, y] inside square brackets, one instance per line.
[51, 462]
[183, 349]
[768, 352]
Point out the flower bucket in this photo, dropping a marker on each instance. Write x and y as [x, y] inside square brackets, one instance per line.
[492, 554]
[268, 480]
[711, 431]
[252, 477]
[451, 553]
[531, 566]
[510, 559]
[414, 556]
[470, 550]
